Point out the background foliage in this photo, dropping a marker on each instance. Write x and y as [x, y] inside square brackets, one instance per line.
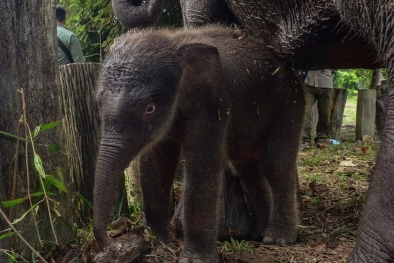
[354, 79]
[96, 25]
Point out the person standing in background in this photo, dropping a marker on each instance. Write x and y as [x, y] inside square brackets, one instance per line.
[69, 47]
[318, 86]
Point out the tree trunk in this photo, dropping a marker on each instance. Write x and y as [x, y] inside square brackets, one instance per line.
[80, 130]
[28, 55]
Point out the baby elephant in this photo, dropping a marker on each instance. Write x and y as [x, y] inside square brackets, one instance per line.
[216, 96]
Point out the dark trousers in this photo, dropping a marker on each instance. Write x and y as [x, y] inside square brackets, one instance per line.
[324, 99]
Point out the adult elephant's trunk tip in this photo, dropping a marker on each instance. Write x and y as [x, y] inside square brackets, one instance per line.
[138, 13]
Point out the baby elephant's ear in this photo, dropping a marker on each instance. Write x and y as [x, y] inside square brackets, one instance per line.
[202, 79]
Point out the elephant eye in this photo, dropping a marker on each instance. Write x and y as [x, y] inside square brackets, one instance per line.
[150, 108]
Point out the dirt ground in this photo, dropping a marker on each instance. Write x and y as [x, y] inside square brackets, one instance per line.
[333, 181]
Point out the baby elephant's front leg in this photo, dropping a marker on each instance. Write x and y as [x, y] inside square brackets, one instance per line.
[203, 152]
[200, 210]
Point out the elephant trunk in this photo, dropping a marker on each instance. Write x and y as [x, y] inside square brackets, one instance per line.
[113, 159]
[138, 13]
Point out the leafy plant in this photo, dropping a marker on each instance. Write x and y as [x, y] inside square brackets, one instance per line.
[316, 200]
[13, 257]
[315, 177]
[96, 25]
[354, 79]
[47, 182]
[337, 232]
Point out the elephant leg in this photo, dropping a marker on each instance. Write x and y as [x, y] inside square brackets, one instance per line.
[258, 195]
[157, 169]
[375, 235]
[280, 171]
[204, 168]
[279, 165]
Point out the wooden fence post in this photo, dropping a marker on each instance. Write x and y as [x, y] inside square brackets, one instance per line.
[366, 110]
[339, 102]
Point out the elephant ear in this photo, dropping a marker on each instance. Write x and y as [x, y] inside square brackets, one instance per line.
[202, 77]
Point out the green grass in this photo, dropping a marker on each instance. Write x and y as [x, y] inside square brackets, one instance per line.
[236, 246]
[315, 177]
[350, 110]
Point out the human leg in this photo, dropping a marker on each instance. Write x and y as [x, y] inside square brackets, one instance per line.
[310, 99]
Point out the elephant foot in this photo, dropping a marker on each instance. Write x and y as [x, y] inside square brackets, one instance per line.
[277, 234]
[187, 256]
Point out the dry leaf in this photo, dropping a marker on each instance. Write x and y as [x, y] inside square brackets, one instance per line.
[365, 150]
[318, 246]
[324, 162]
[347, 163]
[318, 188]
[349, 184]
[368, 139]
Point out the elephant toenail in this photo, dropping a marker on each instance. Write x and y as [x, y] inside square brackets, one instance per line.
[198, 260]
[268, 240]
[183, 260]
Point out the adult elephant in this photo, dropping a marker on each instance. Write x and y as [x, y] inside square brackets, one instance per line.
[308, 35]
[314, 35]
[138, 13]
[374, 20]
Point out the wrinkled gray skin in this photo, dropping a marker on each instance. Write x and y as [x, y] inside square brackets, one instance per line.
[139, 13]
[143, 14]
[375, 238]
[302, 43]
[218, 97]
[309, 37]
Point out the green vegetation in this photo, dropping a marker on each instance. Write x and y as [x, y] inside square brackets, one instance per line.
[236, 246]
[49, 185]
[314, 177]
[350, 113]
[96, 25]
[354, 79]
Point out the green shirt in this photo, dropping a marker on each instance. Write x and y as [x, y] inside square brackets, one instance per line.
[71, 41]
